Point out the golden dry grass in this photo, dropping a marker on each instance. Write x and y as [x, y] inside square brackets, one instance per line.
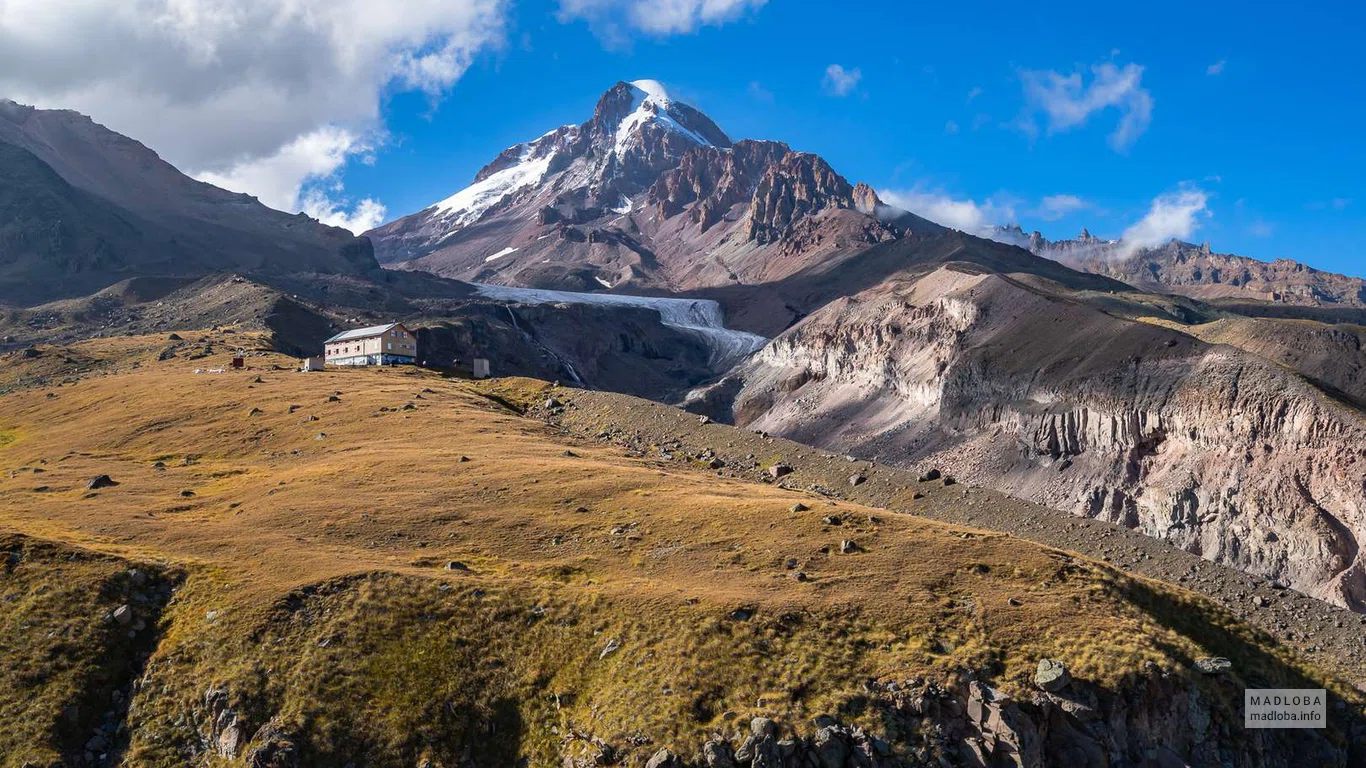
[292, 489]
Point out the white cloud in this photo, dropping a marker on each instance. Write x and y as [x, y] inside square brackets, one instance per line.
[1067, 101]
[1055, 207]
[656, 17]
[1217, 68]
[269, 96]
[1175, 215]
[759, 92]
[951, 127]
[292, 178]
[974, 93]
[967, 215]
[840, 81]
[366, 215]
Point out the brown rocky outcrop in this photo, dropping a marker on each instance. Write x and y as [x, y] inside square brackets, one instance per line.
[1157, 719]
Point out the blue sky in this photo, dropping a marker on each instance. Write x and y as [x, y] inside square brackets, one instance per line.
[1261, 108]
[1237, 123]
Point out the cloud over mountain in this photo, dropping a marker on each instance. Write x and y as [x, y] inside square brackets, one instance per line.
[656, 17]
[1171, 215]
[269, 97]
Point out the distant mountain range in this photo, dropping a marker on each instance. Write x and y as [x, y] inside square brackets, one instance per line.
[1196, 271]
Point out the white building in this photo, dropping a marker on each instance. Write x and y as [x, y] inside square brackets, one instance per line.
[390, 344]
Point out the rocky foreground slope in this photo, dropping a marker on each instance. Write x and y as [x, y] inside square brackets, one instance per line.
[1025, 385]
[279, 569]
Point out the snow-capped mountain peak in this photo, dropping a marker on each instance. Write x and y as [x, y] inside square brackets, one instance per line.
[651, 104]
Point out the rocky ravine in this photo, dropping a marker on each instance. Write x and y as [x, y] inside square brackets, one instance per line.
[1208, 447]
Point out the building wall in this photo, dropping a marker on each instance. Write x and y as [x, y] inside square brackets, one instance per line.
[395, 345]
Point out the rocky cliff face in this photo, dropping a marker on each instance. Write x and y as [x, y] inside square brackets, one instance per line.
[648, 193]
[1213, 449]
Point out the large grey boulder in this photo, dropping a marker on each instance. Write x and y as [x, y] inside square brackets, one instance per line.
[1051, 675]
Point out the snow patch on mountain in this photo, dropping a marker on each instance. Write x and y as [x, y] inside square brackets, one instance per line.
[467, 205]
[500, 254]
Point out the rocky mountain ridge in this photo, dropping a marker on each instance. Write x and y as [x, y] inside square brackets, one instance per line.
[1198, 272]
[648, 194]
[85, 207]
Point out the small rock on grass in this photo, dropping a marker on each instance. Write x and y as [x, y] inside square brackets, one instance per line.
[1213, 665]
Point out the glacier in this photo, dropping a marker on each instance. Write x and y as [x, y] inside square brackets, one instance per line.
[701, 318]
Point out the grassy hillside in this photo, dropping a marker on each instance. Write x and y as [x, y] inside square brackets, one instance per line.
[388, 567]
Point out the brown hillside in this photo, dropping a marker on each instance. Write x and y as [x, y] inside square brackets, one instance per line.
[387, 565]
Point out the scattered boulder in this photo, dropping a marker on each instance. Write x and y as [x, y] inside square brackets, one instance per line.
[100, 481]
[799, 507]
[123, 615]
[1213, 665]
[717, 753]
[613, 645]
[703, 420]
[456, 565]
[333, 399]
[463, 459]
[255, 412]
[929, 476]
[857, 480]
[1051, 675]
[779, 470]
[948, 480]
[274, 749]
[187, 493]
[174, 337]
[664, 759]
[849, 547]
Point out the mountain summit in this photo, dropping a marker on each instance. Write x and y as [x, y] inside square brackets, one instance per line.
[648, 192]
